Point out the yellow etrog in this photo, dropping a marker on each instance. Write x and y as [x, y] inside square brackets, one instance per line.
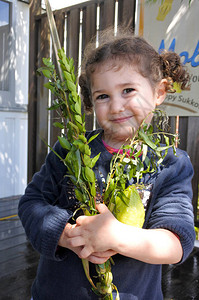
[131, 210]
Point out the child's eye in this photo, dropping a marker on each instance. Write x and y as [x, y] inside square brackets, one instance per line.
[128, 90]
[102, 97]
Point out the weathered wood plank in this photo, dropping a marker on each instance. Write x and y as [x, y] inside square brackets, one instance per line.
[21, 262]
[10, 233]
[88, 32]
[35, 8]
[13, 241]
[107, 14]
[8, 205]
[8, 211]
[126, 13]
[181, 281]
[9, 224]
[73, 27]
[42, 96]
[183, 128]
[17, 286]
[88, 24]
[13, 253]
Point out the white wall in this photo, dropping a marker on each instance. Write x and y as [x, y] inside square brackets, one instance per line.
[14, 122]
[13, 153]
[57, 4]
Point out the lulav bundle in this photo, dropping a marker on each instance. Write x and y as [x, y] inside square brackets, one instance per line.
[78, 159]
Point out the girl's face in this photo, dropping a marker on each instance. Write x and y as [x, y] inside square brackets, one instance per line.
[122, 99]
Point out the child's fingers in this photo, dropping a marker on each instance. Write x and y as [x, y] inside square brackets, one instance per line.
[104, 254]
[100, 257]
[97, 260]
[102, 208]
[75, 242]
[85, 252]
[82, 219]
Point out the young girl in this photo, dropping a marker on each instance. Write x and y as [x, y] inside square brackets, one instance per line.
[123, 80]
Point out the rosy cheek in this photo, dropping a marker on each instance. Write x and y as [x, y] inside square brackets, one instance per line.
[99, 112]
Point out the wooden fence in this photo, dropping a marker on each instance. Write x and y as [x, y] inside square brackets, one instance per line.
[76, 26]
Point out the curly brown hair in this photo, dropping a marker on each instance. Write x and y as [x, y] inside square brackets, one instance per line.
[136, 51]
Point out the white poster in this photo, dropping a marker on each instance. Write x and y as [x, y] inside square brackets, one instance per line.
[174, 25]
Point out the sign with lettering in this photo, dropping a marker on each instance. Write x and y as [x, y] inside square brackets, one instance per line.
[173, 25]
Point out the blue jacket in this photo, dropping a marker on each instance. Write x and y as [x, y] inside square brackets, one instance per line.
[48, 204]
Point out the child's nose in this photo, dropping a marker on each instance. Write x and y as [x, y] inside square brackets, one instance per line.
[116, 105]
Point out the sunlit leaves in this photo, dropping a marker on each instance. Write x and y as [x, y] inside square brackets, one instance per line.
[145, 153]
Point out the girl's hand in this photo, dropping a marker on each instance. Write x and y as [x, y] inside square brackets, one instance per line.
[93, 237]
[65, 241]
[95, 234]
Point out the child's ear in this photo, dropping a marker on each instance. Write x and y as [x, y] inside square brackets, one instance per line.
[161, 91]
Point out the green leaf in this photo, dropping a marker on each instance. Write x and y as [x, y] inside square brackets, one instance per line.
[54, 106]
[67, 75]
[78, 118]
[87, 160]
[58, 125]
[110, 188]
[78, 169]
[64, 59]
[49, 86]
[146, 139]
[85, 263]
[78, 108]
[78, 195]
[93, 189]
[71, 86]
[89, 174]
[87, 150]
[82, 138]
[78, 99]
[79, 126]
[72, 178]
[71, 63]
[94, 160]
[166, 138]
[163, 148]
[92, 138]
[73, 77]
[72, 108]
[132, 172]
[74, 95]
[48, 62]
[73, 162]
[64, 143]
[70, 124]
[47, 73]
[80, 145]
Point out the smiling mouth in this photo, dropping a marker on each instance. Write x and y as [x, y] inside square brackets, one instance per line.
[121, 120]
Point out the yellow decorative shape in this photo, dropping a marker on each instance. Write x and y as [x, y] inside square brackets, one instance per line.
[164, 9]
[177, 87]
